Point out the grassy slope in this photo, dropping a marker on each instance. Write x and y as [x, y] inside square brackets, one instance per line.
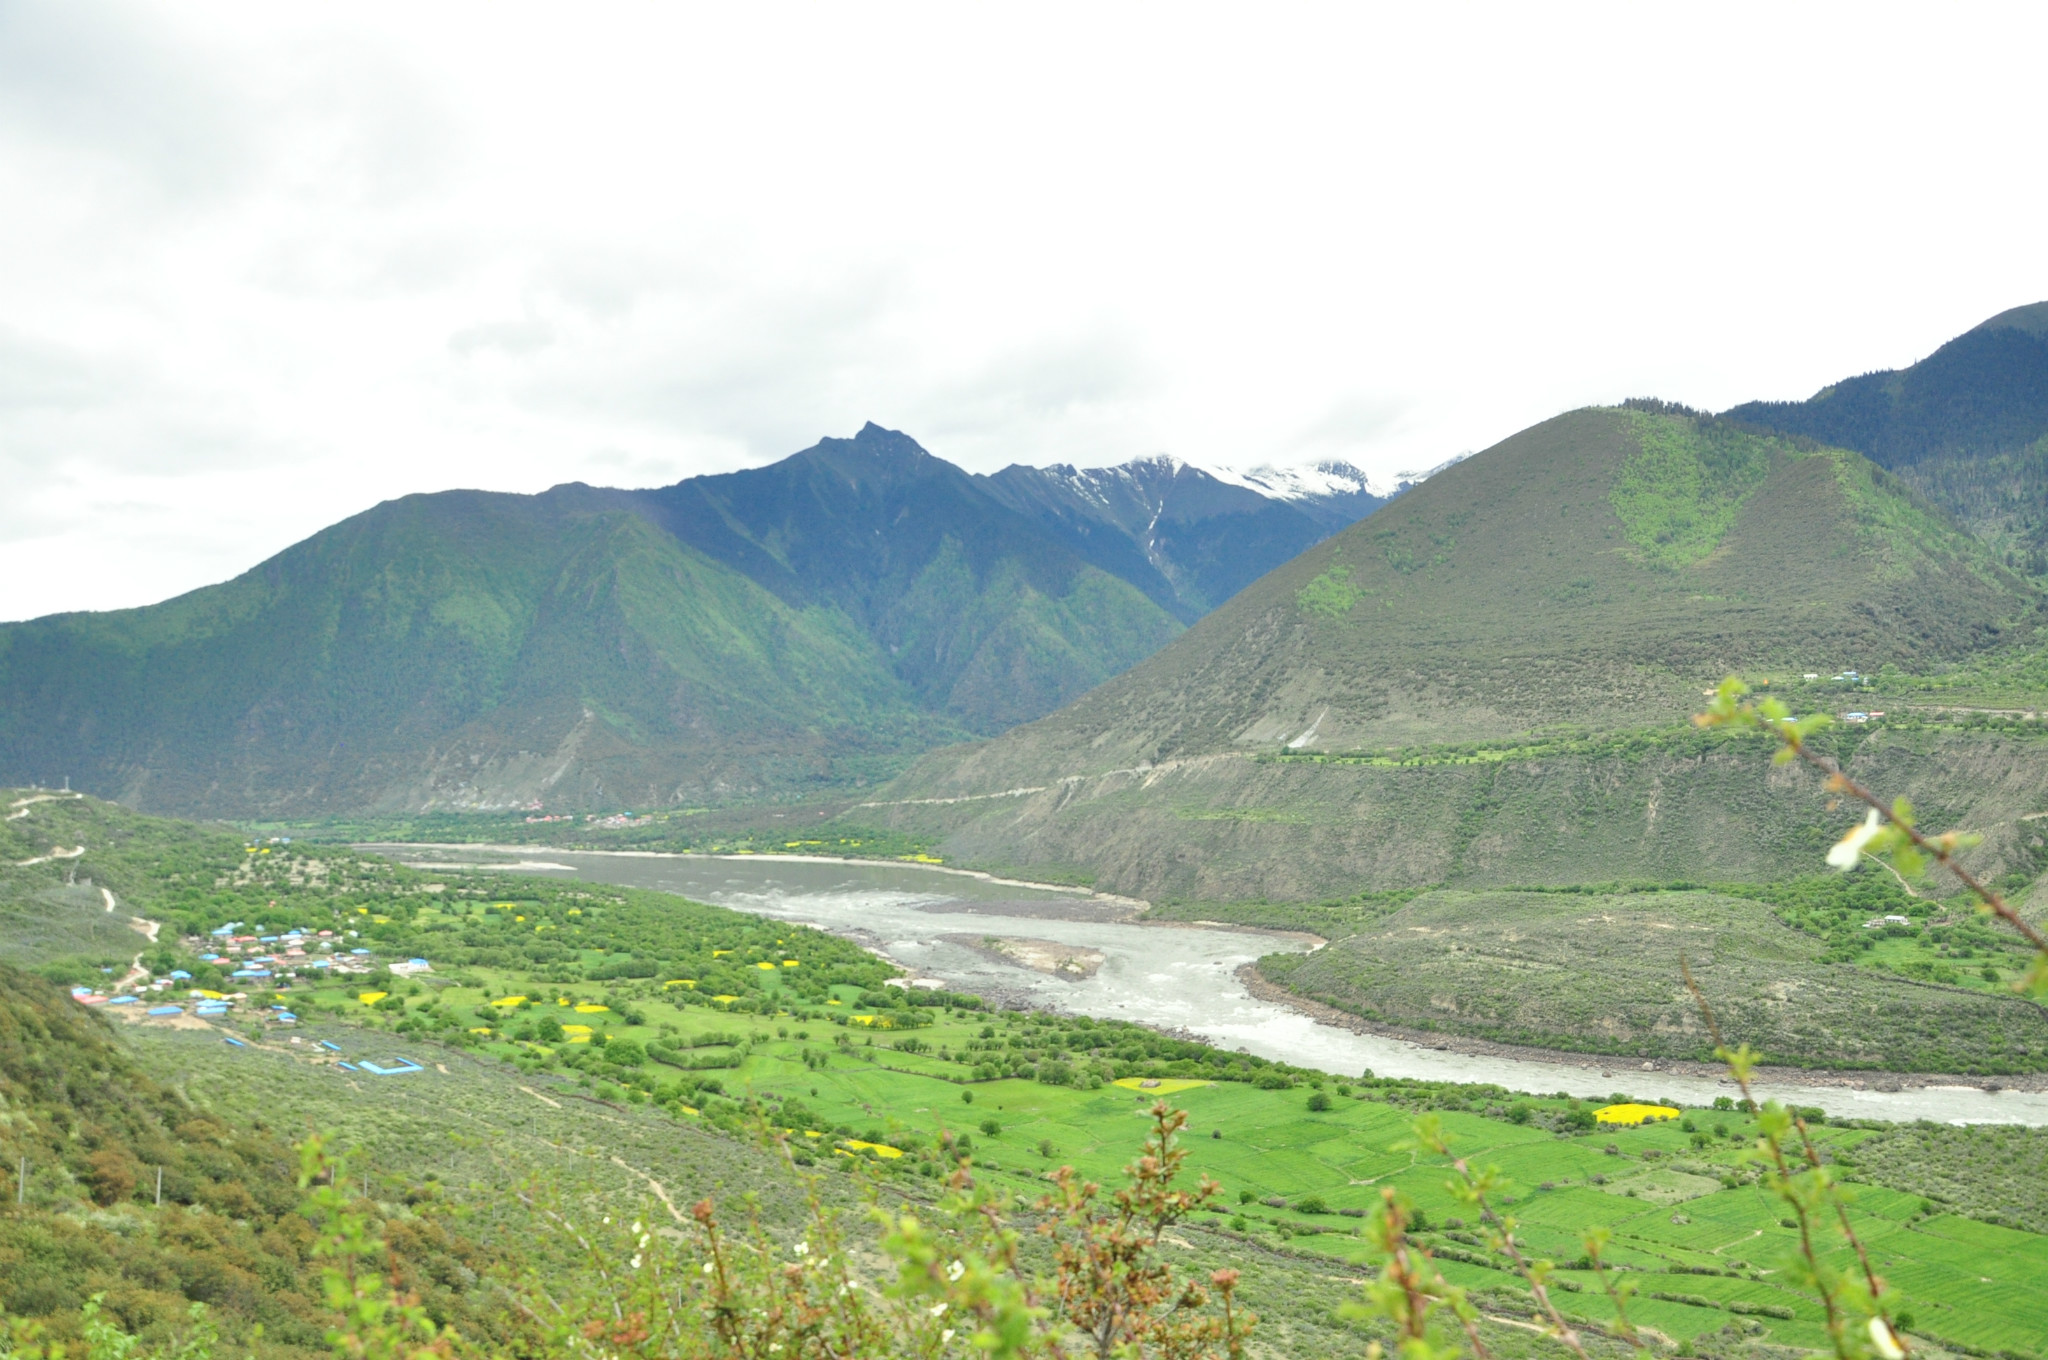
[95, 1129]
[1593, 571]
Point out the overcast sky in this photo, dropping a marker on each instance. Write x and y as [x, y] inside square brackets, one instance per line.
[263, 266]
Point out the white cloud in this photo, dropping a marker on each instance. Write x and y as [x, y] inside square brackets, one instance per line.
[266, 265]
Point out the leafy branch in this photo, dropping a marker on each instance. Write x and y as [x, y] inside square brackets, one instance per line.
[1810, 1192]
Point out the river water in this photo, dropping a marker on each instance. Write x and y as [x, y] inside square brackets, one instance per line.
[1171, 977]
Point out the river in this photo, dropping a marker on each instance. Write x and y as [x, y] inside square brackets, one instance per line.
[1170, 977]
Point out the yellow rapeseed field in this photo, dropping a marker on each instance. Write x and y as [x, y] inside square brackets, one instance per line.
[1161, 1086]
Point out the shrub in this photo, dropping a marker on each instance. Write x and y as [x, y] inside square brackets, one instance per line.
[1318, 1102]
[1774, 1310]
[993, 1128]
[112, 1174]
[1311, 1204]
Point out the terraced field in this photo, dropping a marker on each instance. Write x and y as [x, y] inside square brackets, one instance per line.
[1679, 1212]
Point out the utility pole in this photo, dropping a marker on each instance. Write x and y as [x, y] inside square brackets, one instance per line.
[21, 1182]
[159, 1187]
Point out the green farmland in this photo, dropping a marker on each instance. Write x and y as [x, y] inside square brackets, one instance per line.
[1703, 1241]
[590, 1037]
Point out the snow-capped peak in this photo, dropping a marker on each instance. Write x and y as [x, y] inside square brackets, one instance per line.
[1320, 481]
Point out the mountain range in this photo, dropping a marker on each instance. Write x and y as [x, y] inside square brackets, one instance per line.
[1488, 681]
[805, 625]
[1212, 684]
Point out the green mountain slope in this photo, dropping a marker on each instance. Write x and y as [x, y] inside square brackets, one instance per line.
[463, 647]
[813, 624]
[984, 615]
[1365, 715]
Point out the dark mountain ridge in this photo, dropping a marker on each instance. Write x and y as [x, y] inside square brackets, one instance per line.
[1967, 427]
[1986, 391]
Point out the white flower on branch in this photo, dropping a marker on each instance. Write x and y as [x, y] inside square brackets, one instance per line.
[1849, 849]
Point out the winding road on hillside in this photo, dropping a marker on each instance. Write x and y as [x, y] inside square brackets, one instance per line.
[20, 808]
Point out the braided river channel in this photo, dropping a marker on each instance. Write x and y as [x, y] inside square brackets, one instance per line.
[1173, 977]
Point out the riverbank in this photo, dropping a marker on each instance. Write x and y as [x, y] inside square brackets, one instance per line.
[1131, 905]
[1182, 978]
[1621, 1067]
